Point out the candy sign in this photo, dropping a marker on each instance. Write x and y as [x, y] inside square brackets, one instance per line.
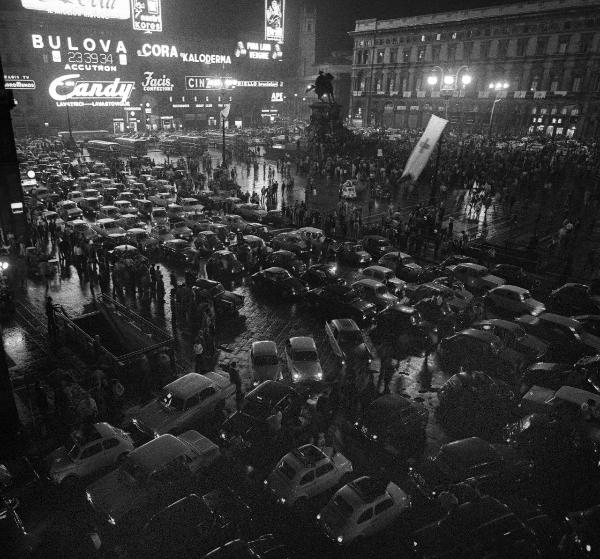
[69, 90]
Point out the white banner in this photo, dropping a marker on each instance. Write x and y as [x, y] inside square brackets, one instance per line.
[422, 151]
[225, 111]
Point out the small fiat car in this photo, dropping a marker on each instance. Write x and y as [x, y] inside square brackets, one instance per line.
[304, 473]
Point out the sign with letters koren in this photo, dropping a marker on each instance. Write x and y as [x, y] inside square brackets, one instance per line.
[102, 9]
[146, 15]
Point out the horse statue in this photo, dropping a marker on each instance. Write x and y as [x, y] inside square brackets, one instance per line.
[323, 87]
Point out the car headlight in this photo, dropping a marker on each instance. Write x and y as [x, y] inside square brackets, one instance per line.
[356, 424]
[340, 539]
[536, 312]
[282, 500]
[374, 437]
[319, 376]
[319, 516]
[224, 437]
[88, 497]
[293, 292]
[295, 376]
[111, 520]
[266, 482]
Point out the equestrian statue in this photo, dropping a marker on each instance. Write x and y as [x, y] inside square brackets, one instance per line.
[323, 87]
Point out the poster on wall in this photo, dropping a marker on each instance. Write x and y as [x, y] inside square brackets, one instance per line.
[114, 9]
[274, 20]
[146, 15]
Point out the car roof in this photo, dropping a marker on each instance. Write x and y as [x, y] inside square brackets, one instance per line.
[158, 451]
[378, 268]
[276, 270]
[368, 489]
[189, 384]
[575, 395]
[369, 282]
[479, 334]
[306, 456]
[283, 252]
[513, 288]
[345, 324]
[470, 451]
[264, 347]
[471, 265]
[270, 391]
[390, 405]
[559, 319]
[500, 323]
[302, 342]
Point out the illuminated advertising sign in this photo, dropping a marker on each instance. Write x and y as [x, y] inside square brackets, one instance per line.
[104, 9]
[15, 81]
[209, 82]
[274, 20]
[258, 51]
[170, 51]
[277, 97]
[71, 91]
[87, 54]
[156, 83]
[146, 15]
[246, 83]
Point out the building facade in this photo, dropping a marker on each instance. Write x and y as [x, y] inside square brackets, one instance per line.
[523, 68]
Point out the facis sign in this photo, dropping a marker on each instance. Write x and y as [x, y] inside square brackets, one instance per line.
[154, 83]
[13, 81]
[170, 51]
[146, 15]
[69, 90]
[104, 9]
[274, 20]
[209, 82]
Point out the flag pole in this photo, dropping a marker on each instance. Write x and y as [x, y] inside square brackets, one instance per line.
[223, 145]
[434, 184]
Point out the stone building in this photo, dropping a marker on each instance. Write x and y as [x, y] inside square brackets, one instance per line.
[532, 67]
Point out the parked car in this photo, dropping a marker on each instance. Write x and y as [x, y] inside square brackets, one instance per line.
[512, 301]
[207, 242]
[141, 239]
[69, 210]
[183, 403]
[107, 226]
[343, 302]
[374, 292]
[226, 303]
[476, 350]
[402, 264]
[387, 277]
[286, 259]
[180, 230]
[319, 275]
[353, 254]
[264, 547]
[475, 404]
[566, 337]
[278, 282]
[362, 508]
[515, 275]
[349, 342]
[403, 327]
[150, 477]
[590, 323]
[493, 468]
[475, 277]
[304, 473]
[91, 449]
[303, 360]
[224, 264]
[376, 245]
[394, 423]
[251, 212]
[476, 529]
[264, 361]
[514, 337]
[196, 522]
[268, 398]
[162, 233]
[179, 252]
[573, 298]
[293, 242]
[458, 298]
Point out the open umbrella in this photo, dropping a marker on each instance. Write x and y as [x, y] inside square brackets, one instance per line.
[125, 249]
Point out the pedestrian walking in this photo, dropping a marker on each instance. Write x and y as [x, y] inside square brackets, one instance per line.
[236, 379]
[199, 353]
[50, 310]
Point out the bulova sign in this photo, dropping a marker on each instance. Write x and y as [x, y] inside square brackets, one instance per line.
[69, 90]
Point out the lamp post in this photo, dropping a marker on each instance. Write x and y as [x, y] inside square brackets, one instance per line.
[496, 87]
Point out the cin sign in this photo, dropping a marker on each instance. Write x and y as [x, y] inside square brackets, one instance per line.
[69, 90]
[104, 9]
[209, 82]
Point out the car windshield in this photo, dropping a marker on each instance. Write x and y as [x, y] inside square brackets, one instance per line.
[408, 260]
[74, 451]
[159, 213]
[286, 470]
[344, 508]
[264, 360]
[168, 400]
[304, 355]
[353, 337]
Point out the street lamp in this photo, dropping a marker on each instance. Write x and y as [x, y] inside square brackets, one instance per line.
[496, 87]
[449, 83]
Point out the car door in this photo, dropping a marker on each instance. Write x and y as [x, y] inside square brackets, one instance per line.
[207, 399]
[112, 449]
[326, 476]
[90, 459]
[307, 484]
[364, 523]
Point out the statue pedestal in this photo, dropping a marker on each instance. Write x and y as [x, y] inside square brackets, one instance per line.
[325, 121]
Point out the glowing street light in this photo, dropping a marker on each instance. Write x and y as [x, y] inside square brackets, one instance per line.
[466, 79]
[432, 80]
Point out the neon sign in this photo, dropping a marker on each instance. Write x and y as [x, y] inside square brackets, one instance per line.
[14, 81]
[274, 20]
[151, 83]
[170, 51]
[258, 51]
[146, 15]
[102, 9]
[277, 97]
[209, 82]
[69, 90]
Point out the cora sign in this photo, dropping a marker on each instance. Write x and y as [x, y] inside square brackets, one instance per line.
[102, 9]
[71, 90]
